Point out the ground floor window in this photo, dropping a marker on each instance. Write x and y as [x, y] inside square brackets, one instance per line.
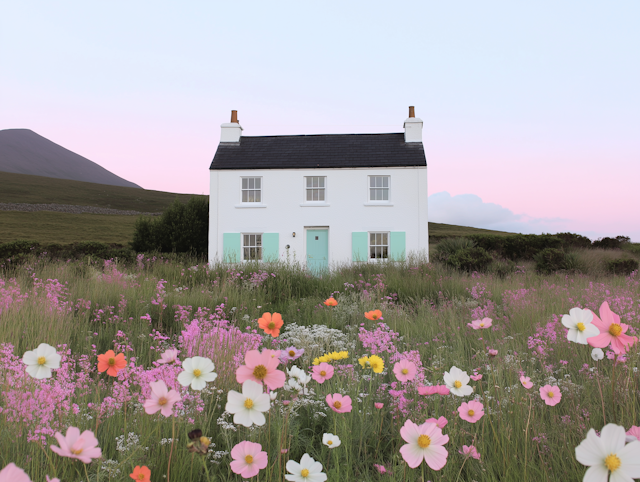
[378, 246]
[252, 247]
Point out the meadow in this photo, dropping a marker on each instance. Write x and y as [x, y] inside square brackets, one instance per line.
[429, 321]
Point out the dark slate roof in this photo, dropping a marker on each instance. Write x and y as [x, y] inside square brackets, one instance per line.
[319, 151]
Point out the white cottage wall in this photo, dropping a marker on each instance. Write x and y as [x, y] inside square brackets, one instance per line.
[347, 208]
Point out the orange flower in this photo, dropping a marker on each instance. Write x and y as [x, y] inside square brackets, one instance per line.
[111, 363]
[331, 302]
[271, 324]
[143, 474]
[373, 315]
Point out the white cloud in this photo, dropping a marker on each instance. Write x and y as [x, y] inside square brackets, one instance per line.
[470, 210]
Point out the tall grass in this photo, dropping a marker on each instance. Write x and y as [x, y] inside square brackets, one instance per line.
[425, 307]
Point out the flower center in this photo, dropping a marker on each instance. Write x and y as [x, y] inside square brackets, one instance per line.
[323, 373]
[615, 330]
[292, 353]
[374, 316]
[612, 462]
[457, 384]
[162, 401]
[424, 441]
[248, 459]
[79, 451]
[197, 372]
[248, 403]
[580, 326]
[141, 476]
[305, 473]
[205, 441]
[271, 325]
[42, 360]
[111, 362]
[550, 394]
[405, 371]
[329, 442]
[260, 372]
[481, 325]
[471, 413]
[337, 404]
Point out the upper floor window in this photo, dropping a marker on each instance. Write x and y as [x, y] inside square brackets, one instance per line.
[251, 189]
[378, 246]
[378, 188]
[315, 188]
[252, 247]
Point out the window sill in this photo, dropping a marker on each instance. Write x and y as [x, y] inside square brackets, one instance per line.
[378, 204]
[315, 205]
[250, 205]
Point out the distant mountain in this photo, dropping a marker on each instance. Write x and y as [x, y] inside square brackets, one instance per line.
[22, 151]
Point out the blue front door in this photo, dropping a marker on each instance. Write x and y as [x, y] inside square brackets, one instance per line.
[317, 250]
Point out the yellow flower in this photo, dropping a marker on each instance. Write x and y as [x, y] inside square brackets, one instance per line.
[377, 363]
[316, 361]
[343, 354]
[364, 362]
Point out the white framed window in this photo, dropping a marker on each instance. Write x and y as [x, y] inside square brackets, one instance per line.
[315, 188]
[379, 188]
[251, 189]
[378, 246]
[252, 247]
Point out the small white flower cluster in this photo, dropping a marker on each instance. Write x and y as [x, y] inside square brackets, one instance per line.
[111, 467]
[297, 381]
[166, 441]
[226, 425]
[131, 442]
[316, 339]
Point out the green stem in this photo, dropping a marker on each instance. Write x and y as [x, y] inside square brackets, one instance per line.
[173, 439]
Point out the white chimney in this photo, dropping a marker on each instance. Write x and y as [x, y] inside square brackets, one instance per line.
[231, 132]
[412, 127]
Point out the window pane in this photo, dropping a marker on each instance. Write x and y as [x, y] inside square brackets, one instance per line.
[321, 182]
[250, 181]
[309, 181]
[257, 182]
[385, 240]
[372, 252]
[249, 196]
[246, 253]
[385, 252]
[246, 240]
[245, 196]
[309, 195]
[259, 253]
[378, 194]
[245, 183]
[385, 181]
[372, 238]
[385, 194]
[321, 195]
[258, 239]
[372, 181]
[378, 182]
[257, 196]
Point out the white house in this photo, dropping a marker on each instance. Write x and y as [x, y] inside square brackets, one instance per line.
[321, 198]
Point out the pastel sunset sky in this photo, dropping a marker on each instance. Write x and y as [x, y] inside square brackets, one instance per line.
[531, 110]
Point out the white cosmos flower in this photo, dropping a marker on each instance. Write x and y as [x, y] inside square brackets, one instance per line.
[331, 441]
[41, 360]
[609, 454]
[578, 322]
[295, 372]
[247, 407]
[597, 354]
[197, 372]
[457, 382]
[308, 470]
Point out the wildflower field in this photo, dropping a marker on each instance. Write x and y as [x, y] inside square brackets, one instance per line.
[177, 371]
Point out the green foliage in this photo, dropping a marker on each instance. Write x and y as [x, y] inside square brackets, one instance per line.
[611, 243]
[502, 267]
[182, 228]
[550, 260]
[470, 259]
[623, 266]
[572, 240]
[447, 247]
[518, 246]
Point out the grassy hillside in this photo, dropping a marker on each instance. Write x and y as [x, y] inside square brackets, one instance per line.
[23, 188]
[53, 227]
[438, 230]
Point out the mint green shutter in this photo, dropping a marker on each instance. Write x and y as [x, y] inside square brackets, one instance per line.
[359, 246]
[231, 247]
[397, 245]
[270, 246]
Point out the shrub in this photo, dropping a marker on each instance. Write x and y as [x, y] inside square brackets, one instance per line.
[610, 243]
[624, 266]
[552, 259]
[502, 267]
[572, 240]
[182, 228]
[517, 246]
[449, 246]
[470, 259]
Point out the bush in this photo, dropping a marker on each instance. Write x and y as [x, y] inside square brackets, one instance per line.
[502, 267]
[624, 266]
[470, 259]
[610, 243]
[182, 228]
[572, 240]
[19, 252]
[449, 246]
[550, 260]
[517, 246]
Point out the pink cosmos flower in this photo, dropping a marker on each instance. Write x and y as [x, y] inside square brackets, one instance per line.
[492, 352]
[472, 411]
[405, 370]
[290, 354]
[612, 331]
[470, 451]
[634, 432]
[169, 356]
[443, 390]
[380, 468]
[248, 459]
[378, 405]
[480, 324]
[440, 423]
[338, 403]
[476, 377]
[424, 442]
[55, 479]
[526, 382]
[161, 399]
[321, 373]
[261, 368]
[434, 390]
[13, 473]
[550, 395]
[75, 445]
